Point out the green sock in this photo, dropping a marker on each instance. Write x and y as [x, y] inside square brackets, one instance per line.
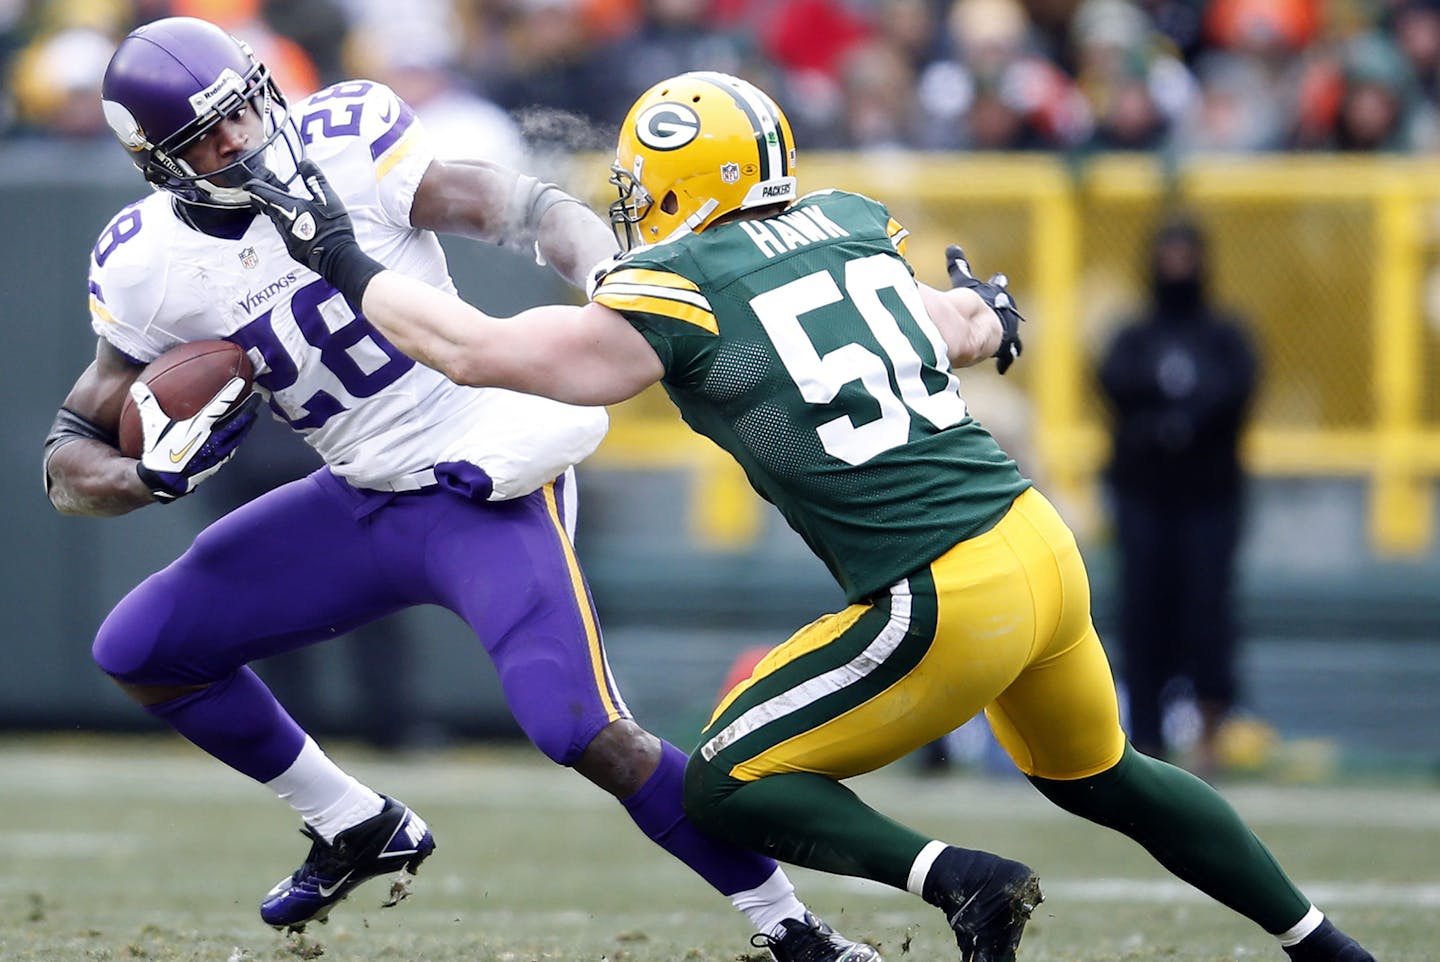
[807, 820]
[1189, 829]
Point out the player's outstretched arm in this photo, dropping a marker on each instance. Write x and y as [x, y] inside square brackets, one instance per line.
[970, 327]
[995, 294]
[488, 202]
[582, 355]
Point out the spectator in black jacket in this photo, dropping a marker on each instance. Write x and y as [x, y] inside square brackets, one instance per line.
[1179, 380]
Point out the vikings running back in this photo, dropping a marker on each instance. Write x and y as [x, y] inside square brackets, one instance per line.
[378, 419]
[431, 493]
[790, 330]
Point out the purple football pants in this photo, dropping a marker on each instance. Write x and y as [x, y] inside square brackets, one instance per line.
[315, 558]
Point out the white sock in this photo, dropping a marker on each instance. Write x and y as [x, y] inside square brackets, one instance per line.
[328, 799]
[1297, 932]
[920, 868]
[770, 903]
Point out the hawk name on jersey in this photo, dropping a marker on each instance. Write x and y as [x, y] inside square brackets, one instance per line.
[370, 411]
[799, 343]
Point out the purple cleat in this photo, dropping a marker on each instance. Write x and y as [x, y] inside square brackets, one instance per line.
[396, 840]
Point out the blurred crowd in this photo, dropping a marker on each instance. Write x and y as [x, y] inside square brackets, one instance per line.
[1057, 75]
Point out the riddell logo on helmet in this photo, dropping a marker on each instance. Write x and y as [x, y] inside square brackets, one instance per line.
[227, 83]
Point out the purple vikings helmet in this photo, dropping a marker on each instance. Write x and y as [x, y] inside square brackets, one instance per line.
[172, 81]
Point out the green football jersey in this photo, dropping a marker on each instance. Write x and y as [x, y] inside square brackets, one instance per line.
[800, 345]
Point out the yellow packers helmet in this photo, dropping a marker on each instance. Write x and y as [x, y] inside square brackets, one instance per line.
[696, 147]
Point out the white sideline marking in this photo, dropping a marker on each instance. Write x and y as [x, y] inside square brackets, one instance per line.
[1419, 895]
[67, 844]
[505, 778]
[1169, 892]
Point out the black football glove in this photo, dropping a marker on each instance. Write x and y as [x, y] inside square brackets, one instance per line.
[316, 230]
[994, 292]
[179, 454]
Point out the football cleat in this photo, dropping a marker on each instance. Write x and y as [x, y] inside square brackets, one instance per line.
[988, 906]
[396, 840]
[811, 940]
[1328, 944]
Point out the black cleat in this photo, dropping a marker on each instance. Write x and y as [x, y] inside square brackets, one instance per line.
[812, 940]
[1328, 944]
[395, 840]
[986, 899]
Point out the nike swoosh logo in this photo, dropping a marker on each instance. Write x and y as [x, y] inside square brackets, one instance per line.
[385, 117]
[326, 892]
[177, 456]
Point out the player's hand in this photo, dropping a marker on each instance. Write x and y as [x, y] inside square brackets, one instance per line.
[317, 230]
[310, 226]
[996, 293]
[179, 454]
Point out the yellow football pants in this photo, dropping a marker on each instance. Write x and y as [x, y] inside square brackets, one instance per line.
[999, 623]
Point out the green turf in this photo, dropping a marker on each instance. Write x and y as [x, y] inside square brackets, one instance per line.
[140, 849]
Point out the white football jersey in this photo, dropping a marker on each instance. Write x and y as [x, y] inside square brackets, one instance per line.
[373, 414]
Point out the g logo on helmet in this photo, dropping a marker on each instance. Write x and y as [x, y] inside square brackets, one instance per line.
[667, 126]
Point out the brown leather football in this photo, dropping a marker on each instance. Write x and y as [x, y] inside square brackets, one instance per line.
[184, 379]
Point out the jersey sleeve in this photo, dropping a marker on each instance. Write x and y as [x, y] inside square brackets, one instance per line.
[667, 308]
[125, 289]
[367, 115]
[893, 228]
[898, 234]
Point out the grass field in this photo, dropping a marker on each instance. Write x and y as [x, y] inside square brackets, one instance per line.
[140, 849]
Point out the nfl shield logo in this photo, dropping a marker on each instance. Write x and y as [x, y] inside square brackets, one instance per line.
[248, 258]
[730, 173]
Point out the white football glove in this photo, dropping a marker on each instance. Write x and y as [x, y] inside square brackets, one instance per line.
[178, 455]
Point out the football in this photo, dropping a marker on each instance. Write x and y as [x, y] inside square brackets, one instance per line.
[183, 380]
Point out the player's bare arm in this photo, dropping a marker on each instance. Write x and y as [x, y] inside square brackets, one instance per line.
[488, 202]
[581, 355]
[971, 328]
[85, 473]
[91, 469]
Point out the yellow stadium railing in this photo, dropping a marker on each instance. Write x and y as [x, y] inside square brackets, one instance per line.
[1334, 261]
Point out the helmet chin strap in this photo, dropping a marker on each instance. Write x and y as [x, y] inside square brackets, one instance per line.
[695, 219]
[229, 198]
[700, 216]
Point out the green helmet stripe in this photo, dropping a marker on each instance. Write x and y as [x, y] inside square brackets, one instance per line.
[764, 119]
